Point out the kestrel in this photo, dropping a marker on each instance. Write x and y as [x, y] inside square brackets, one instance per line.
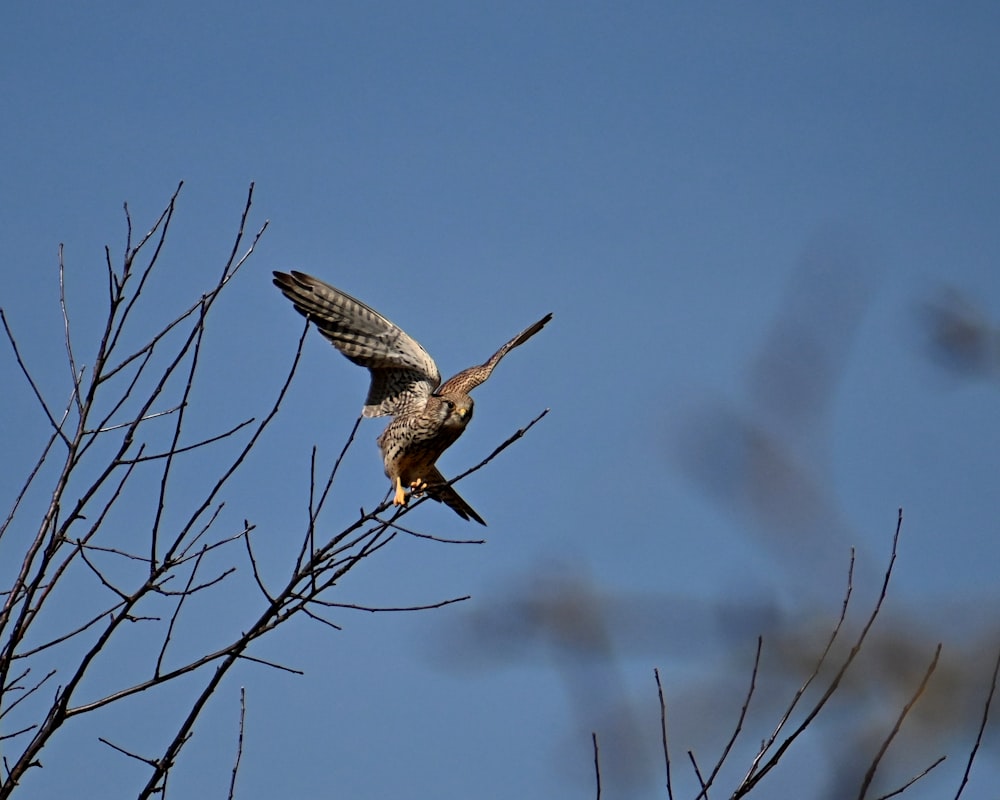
[427, 416]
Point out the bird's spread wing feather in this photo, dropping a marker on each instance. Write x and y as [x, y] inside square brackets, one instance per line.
[403, 374]
[468, 379]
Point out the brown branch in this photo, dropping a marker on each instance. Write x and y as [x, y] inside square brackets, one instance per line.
[27, 693]
[174, 450]
[175, 438]
[376, 609]
[121, 425]
[752, 781]
[56, 426]
[22, 493]
[316, 507]
[242, 455]
[52, 530]
[812, 676]
[663, 733]
[176, 613]
[123, 596]
[80, 543]
[697, 772]
[739, 723]
[430, 537]
[253, 565]
[117, 285]
[185, 554]
[597, 764]
[101, 481]
[20, 732]
[982, 728]
[149, 761]
[272, 664]
[239, 743]
[913, 780]
[318, 618]
[67, 636]
[190, 590]
[499, 449]
[869, 776]
[75, 374]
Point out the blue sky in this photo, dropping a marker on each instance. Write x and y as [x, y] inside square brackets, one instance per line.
[688, 189]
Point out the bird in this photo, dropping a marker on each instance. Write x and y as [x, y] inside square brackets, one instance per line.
[427, 416]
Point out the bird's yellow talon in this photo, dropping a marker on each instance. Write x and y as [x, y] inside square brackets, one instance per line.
[400, 497]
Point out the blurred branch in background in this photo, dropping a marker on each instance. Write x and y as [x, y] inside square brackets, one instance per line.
[848, 688]
[765, 459]
[960, 337]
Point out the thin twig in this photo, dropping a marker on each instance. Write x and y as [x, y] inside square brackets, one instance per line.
[697, 772]
[12, 705]
[982, 728]
[318, 618]
[121, 425]
[597, 764]
[176, 613]
[440, 539]
[185, 552]
[11, 735]
[663, 733]
[239, 743]
[27, 483]
[67, 636]
[870, 775]
[520, 432]
[253, 565]
[166, 471]
[913, 780]
[68, 339]
[812, 676]
[148, 761]
[315, 507]
[175, 450]
[123, 596]
[197, 587]
[56, 427]
[753, 780]
[739, 722]
[376, 609]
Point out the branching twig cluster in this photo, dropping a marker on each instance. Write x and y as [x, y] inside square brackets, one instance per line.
[776, 745]
[100, 458]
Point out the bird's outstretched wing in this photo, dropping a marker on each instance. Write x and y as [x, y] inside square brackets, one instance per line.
[403, 374]
[468, 379]
[446, 494]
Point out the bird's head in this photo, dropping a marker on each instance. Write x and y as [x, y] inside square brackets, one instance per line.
[455, 410]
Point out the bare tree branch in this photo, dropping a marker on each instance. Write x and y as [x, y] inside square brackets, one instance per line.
[101, 456]
[739, 723]
[754, 779]
[663, 733]
[597, 764]
[239, 743]
[982, 728]
[866, 783]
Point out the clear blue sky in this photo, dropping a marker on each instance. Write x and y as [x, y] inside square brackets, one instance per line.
[654, 174]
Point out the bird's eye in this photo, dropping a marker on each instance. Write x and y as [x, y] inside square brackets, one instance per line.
[450, 404]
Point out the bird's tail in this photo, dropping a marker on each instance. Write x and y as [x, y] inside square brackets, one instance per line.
[437, 490]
